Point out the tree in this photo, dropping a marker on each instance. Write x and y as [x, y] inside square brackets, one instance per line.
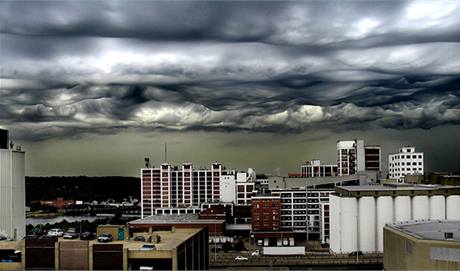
[240, 246]
[227, 246]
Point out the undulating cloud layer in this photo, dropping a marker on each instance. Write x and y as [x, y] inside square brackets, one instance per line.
[69, 68]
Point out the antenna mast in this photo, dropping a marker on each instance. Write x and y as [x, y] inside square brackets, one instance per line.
[166, 152]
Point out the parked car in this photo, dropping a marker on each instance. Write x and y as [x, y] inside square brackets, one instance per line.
[31, 237]
[139, 238]
[87, 236]
[148, 247]
[2, 237]
[56, 232]
[105, 238]
[255, 253]
[240, 258]
[70, 235]
[354, 253]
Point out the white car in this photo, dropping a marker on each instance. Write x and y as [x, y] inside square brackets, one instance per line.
[240, 258]
[255, 253]
[56, 232]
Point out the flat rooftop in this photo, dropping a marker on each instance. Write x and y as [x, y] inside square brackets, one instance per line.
[396, 190]
[430, 229]
[168, 240]
[423, 187]
[175, 219]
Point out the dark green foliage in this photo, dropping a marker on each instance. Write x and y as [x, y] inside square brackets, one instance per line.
[240, 246]
[83, 225]
[82, 188]
[227, 246]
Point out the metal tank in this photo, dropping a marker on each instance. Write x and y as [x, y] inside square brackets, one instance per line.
[334, 225]
[420, 207]
[384, 216]
[438, 207]
[366, 226]
[402, 208]
[453, 207]
[349, 224]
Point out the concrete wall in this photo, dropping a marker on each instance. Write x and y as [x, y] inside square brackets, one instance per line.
[73, 255]
[404, 252]
[113, 230]
[12, 194]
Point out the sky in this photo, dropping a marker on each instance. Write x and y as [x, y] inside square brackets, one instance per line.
[93, 87]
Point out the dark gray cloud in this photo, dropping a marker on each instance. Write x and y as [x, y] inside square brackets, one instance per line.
[70, 68]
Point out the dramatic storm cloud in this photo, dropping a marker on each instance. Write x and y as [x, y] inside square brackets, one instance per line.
[76, 68]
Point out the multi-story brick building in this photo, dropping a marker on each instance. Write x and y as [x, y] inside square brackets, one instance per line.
[265, 212]
[180, 187]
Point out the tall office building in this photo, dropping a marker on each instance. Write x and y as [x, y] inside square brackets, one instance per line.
[353, 157]
[12, 189]
[405, 162]
[180, 187]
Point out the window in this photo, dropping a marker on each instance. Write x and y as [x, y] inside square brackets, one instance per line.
[419, 157]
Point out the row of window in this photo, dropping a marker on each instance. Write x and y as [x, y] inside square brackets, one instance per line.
[402, 164]
[407, 156]
[406, 169]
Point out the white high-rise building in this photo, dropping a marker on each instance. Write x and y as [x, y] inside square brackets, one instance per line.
[405, 162]
[12, 190]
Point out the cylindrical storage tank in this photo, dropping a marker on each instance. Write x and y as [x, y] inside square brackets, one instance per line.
[452, 207]
[349, 224]
[384, 216]
[334, 225]
[420, 207]
[437, 207]
[402, 208]
[366, 225]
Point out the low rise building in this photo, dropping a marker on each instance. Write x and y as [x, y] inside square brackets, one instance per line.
[175, 249]
[422, 245]
[314, 168]
[12, 255]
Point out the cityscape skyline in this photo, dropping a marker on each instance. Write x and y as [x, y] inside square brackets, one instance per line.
[91, 88]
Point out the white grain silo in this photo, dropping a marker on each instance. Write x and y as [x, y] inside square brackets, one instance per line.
[335, 228]
[420, 207]
[438, 207]
[349, 224]
[384, 216]
[452, 207]
[366, 224]
[402, 208]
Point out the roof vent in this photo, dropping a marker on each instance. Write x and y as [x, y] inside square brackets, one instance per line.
[448, 235]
